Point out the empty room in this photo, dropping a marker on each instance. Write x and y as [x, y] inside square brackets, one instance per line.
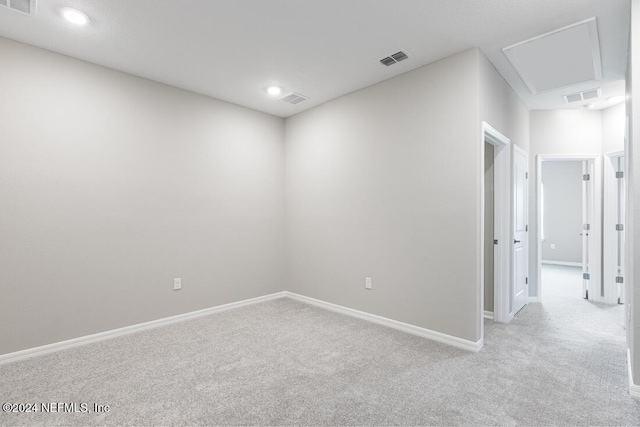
[232, 212]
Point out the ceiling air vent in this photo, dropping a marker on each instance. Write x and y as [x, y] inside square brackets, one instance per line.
[395, 58]
[582, 96]
[23, 6]
[293, 98]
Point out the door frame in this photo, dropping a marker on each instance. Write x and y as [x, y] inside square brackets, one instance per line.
[596, 227]
[502, 224]
[610, 234]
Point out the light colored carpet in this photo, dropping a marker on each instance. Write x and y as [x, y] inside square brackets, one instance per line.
[287, 363]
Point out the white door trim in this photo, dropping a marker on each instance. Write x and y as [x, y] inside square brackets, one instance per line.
[596, 227]
[502, 224]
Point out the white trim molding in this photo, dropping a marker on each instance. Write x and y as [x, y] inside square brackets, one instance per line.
[114, 333]
[634, 390]
[404, 327]
[488, 315]
[502, 225]
[566, 263]
[533, 299]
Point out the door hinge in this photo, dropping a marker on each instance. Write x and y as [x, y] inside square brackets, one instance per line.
[526, 175]
[526, 228]
[586, 276]
[586, 177]
[619, 279]
[495, 241]
[619, 227]
[586, 227]
[620, 174]
[526, 280]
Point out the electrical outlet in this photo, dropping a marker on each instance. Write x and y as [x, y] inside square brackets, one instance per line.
[553, 246]
[367, 283]
[177, 283]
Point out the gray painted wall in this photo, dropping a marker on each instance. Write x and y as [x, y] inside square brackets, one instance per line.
[112, 185]
[488, 226]
[562, 211]
[365, 197]
[384, 182]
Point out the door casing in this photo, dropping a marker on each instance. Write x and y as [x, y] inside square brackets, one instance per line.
[595, 248]
[502, 224]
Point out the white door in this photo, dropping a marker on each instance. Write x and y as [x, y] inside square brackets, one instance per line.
[614, 230]
[520, 295]
[621, 209]
[588, 292]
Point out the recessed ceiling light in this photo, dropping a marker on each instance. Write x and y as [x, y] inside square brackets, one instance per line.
[274, 90]
[589, 106]
[75, 16]
[616, 99]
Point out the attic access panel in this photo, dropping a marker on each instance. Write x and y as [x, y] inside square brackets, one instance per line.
[564, 57]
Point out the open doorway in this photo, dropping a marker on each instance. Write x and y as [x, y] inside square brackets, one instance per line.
[495, 230]
[569, 228]
[489, 219]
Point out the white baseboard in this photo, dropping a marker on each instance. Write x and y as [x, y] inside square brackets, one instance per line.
[88, 339]
[567, 263]
[534, 299]
[634, 390]
[405, 327]
[488, 314]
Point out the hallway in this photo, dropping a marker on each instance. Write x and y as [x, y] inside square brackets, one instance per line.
[572, 355]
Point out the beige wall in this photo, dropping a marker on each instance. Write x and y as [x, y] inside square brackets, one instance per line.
[112, 185]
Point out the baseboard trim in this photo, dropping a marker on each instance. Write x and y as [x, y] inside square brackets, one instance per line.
[566, 263]
[88, 339]
[405, 327]
[534, 299]
[488, 315]
[634, 390]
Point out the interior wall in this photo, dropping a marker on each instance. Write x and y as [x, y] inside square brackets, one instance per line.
[383, 183]
[564, 132]
[633, 189]
[112, 185]
[613, 124]
[562, 240]
[488, 226]
[501, 107]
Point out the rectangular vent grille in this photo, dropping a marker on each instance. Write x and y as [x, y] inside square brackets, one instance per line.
[582, 96]
[293, 98]
[23, 6]
[395, 58]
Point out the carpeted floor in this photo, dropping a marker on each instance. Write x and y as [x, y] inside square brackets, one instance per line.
[286, 363]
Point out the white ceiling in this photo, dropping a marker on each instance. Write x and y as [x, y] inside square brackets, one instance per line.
[233, 49]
